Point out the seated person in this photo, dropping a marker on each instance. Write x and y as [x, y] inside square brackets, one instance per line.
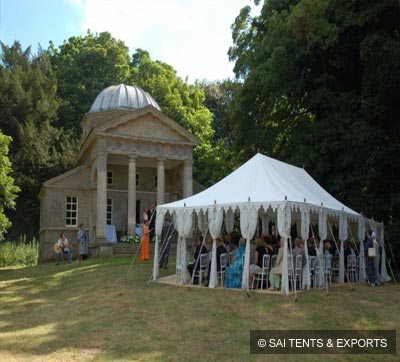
[221, 249]
[63, 248]
[311, 247]
[200, 249]
[298, 247]
[234, 271]
[276, 271]
[263, 249]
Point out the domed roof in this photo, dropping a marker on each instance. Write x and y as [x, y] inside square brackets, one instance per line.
[122, 97]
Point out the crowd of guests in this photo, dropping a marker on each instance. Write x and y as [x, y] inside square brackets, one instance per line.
[273, 245]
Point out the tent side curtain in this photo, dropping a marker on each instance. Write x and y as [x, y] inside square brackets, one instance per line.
[249, 212]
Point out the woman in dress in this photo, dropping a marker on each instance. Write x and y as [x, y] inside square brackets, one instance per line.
[276, 271]
[82, 240]
[234, 271]
[145, 252]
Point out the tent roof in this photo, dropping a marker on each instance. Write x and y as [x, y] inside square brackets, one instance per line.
[263, 181]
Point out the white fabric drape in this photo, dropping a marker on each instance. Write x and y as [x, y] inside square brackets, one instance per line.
[183, 224]
[284, 219]
[322, 226]
[202, 222]
[343, 234]
[264, 223]
[158, 230]
[384, 275]
[215, 218]
[305, 228]
[248, 225]
[229, 220]
[323, 233]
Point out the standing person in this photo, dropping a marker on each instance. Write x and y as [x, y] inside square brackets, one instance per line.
[83, 242]
[63, 248]
[145, 248]
[369, 261]
[166, 236]
[151, 216]
[276, 271]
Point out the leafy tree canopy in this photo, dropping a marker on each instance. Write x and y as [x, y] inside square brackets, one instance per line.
[320, 83]
[8, 190]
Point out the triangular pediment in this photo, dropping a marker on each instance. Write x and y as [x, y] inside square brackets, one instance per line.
[148, 125]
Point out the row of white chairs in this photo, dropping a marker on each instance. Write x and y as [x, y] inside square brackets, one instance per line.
[295, 268]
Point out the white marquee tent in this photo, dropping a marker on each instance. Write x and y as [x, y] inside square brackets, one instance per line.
[268, 189]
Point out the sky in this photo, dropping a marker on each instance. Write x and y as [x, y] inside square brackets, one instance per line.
[193, 36]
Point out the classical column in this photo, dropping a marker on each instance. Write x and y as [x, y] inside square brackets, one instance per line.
[101, 197]
[132, 195]
[188, 178]
[160, 181]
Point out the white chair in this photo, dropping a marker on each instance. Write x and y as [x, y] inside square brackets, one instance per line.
[327, 269]
[231, 255]
[352, 268]
[273, 260]
[298, 269]
[318, 272]
[263, 274]
[290, 269]
[223, 262]
[204, 259]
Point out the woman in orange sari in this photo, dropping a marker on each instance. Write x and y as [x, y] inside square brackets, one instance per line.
[145, 252]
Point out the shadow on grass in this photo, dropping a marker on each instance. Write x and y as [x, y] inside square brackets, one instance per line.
[95, 310]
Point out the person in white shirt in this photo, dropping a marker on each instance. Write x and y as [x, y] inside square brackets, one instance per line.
[63, 248]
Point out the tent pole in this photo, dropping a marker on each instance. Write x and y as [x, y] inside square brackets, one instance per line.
[334, 240]
[137, 251]
[198, 258]
[163, 248]
[394, 262]
[293, 266]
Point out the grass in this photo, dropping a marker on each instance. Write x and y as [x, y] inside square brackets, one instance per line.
[90, 311]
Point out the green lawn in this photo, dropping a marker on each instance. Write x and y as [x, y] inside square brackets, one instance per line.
[89, 311]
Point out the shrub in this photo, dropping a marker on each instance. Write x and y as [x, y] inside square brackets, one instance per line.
[19, 253]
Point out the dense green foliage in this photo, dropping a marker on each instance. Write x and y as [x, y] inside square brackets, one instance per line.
[317, 86]
[8, 191]
[321, 90]
[28, 109]
[19, 253]
[84, 66]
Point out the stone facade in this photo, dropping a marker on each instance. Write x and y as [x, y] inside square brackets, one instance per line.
[131, 157]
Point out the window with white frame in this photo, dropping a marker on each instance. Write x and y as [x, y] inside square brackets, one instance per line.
[109, 177]
[109, 211]
[137, 179]
[71, 211]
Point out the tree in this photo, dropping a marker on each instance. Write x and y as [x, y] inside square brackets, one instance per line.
[184, 104]
[8, 190]
[28, 111]
[320, 83]
[84, 67]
